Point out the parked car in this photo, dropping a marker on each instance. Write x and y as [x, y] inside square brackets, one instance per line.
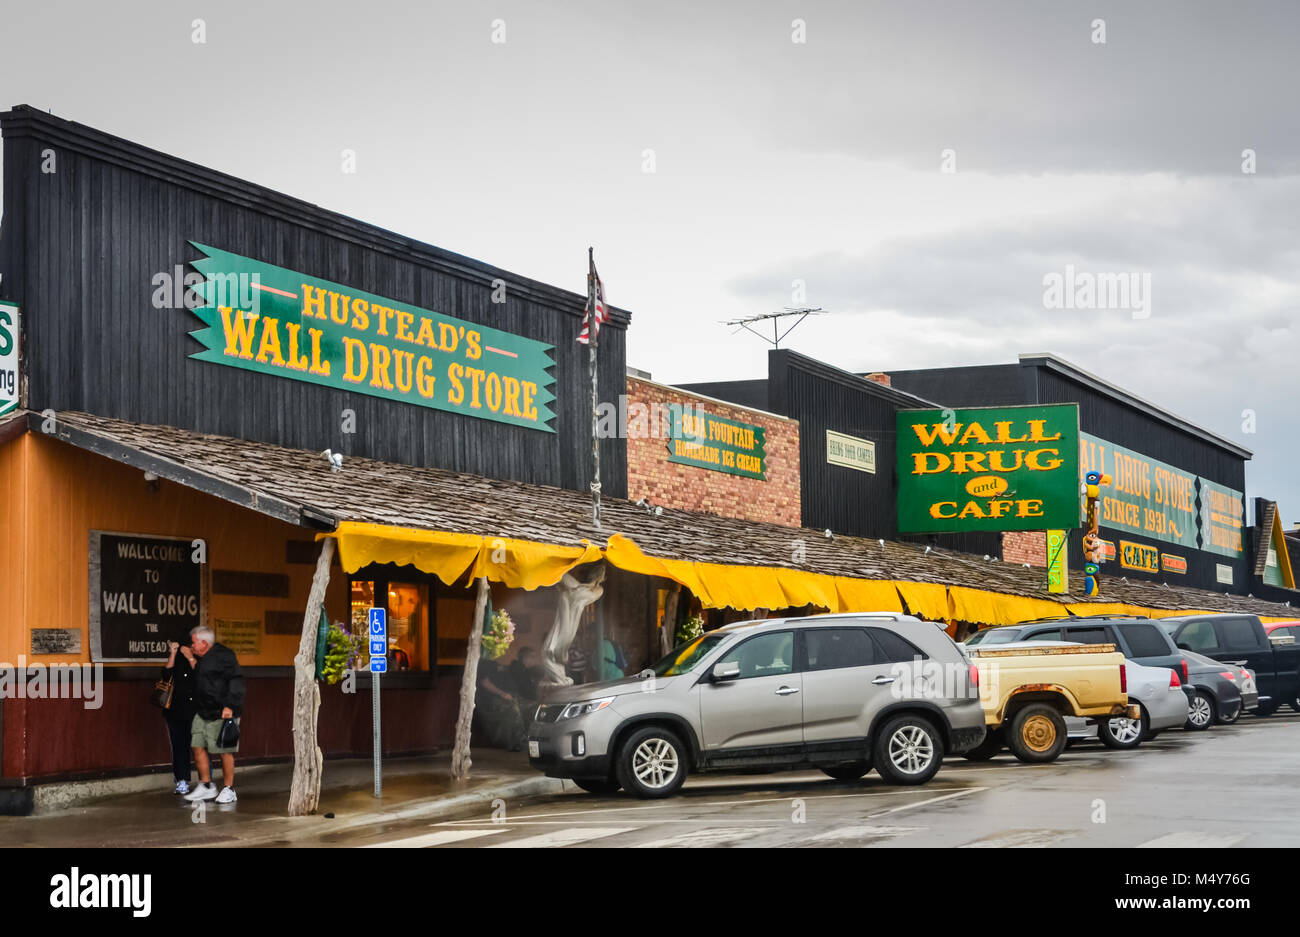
[831, 691]
[1211, 698]
[1163, 703]
[1241, 639]
[1230, 688]
[1028, 689]
[1284, 628]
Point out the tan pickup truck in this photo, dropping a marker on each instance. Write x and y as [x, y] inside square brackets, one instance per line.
[1027, 690]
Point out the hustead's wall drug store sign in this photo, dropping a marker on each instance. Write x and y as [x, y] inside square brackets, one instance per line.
[268, 319]
[988, 469]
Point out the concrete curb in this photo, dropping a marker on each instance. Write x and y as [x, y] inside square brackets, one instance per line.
[430, 808]
[51, 798]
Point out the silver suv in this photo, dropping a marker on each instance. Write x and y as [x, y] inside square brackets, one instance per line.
[842, 693]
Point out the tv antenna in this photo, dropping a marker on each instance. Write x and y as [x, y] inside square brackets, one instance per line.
[803, 312]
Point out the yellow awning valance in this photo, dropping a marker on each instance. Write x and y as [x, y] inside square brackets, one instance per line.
[519, 564]
[525, 564]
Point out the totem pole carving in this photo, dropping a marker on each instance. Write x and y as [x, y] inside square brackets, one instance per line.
[1093, 553]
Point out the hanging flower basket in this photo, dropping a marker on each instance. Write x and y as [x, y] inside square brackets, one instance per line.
[498, 634]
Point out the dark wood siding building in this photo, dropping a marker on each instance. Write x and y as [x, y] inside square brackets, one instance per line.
[1121, 419]
[90, 220]
[827, 399]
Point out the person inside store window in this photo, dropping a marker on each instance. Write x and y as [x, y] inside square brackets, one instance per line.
[501, 716]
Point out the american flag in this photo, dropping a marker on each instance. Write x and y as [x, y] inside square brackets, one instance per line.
[602, 312]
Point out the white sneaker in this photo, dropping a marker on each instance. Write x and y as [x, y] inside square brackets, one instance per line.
[206, 791]
[182, 787]
[227, 796]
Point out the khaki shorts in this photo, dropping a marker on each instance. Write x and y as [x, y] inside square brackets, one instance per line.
[204, 732]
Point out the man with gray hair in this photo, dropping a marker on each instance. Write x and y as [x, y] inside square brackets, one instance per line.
[218, 696]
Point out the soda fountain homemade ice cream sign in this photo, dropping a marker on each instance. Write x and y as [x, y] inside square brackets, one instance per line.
[988, 468]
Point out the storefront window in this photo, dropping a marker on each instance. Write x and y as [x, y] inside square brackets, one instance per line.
[407, 604]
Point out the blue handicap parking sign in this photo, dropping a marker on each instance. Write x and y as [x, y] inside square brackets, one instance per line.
[378, 619]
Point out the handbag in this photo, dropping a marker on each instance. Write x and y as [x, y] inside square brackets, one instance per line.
[228, 736]
[163, 689]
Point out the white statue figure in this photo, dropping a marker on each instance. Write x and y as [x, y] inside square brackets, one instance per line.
[574, 596]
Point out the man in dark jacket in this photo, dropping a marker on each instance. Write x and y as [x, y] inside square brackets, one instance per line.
[218, 696]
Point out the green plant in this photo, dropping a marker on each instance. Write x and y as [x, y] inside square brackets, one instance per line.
[341, 652]
[498, 634]
[689, 630]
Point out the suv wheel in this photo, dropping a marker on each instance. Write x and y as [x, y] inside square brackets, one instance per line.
[1037, 734]
[1122, 732]
[1200, 711]
[1295, 703]
[849, 771]
[597, 785]
[908, 750]
[651, 763]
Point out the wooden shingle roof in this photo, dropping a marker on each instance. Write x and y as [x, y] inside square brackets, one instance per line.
[299, 486]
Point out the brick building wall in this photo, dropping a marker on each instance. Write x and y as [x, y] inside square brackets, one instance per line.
[1025, 546]
[650, 474]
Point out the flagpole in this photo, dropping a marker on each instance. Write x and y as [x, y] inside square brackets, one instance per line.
[593, 332]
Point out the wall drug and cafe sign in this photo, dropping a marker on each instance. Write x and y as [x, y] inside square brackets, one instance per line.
[717, 443]
[988, 469]
[264, 318]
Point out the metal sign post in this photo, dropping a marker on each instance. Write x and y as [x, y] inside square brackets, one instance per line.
[378, 619]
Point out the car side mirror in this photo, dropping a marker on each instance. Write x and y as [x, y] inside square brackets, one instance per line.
[1183, 646]
[727, 670]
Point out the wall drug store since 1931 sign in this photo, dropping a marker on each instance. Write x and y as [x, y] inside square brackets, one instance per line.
[988, 469]
[264, 318]
[1159, 501]
[144, 592]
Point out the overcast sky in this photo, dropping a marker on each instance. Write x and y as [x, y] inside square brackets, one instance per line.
[775, 160]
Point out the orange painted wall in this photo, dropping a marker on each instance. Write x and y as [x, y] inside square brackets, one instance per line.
[12, 541]
[64, 493]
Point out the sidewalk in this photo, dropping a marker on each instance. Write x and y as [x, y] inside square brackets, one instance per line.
[413, 788]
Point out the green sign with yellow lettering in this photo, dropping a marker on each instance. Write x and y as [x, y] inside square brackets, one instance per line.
[988, 469]
[264, 318]
[717, 443]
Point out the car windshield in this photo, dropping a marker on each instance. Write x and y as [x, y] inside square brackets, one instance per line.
[683, 659]
[995, 636]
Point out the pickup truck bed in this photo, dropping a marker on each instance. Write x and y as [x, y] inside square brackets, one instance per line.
[1027, 690]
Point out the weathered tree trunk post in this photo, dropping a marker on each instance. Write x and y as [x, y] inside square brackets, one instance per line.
[460, 760]
[304, 792]
[668, 632]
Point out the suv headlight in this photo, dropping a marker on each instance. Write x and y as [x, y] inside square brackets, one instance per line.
[585, 708]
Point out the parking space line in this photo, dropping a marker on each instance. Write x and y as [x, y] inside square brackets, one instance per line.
[715, 836]
[565, 837]
[1193, 839]
[432, 839]
[689, 803]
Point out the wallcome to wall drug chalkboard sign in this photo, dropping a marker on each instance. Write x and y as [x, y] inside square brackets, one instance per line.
[144, 592]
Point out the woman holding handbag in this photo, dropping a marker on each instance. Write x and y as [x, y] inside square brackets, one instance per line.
[179, 710]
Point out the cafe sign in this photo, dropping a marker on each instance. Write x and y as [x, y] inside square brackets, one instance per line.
[1139, 557]
[716, 443]
[988, 469]
[264, 318]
